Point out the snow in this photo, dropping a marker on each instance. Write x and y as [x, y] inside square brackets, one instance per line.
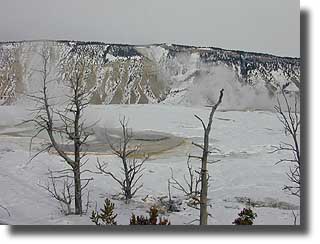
[247, 168]
[156, 53]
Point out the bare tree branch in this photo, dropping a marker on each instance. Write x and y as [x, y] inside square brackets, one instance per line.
[291, 124]
[131, 168]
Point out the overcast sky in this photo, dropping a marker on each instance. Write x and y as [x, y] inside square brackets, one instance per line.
[270, 26]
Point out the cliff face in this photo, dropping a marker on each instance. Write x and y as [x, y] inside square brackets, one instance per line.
[159, 73]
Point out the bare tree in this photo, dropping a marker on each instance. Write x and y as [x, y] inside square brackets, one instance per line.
[204, 161]
[68, 122]
[190, 187]
[290, 119]
[131, 167]
[64, 196]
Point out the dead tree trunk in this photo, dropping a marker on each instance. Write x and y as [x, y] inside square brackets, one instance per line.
[204, 162]
[72, 129]
[77, 145]
[77, 191]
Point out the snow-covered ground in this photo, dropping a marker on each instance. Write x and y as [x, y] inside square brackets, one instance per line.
[247, 168]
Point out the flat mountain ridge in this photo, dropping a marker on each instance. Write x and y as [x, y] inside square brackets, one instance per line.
[155, 73]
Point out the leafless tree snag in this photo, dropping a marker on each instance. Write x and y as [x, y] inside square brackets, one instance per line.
[204, 161]
[64, 196]
[190, 187]
[66, 123]
[290, 119]
[131, 167]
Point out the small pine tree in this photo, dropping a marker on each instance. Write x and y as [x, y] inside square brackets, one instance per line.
[246, 217]
[106, 217]
[153, 218]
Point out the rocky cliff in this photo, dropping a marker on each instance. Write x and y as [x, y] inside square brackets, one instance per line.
[158, 73]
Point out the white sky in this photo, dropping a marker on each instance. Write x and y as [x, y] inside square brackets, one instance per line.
[269, 26]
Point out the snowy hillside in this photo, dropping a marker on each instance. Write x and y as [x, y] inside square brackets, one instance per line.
[159, 73]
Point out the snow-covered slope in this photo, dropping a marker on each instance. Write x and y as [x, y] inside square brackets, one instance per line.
[159, 73]
[247, 168]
